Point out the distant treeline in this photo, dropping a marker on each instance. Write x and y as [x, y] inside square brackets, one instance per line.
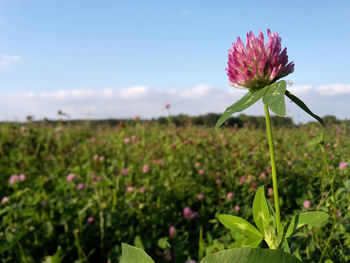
[209, 120]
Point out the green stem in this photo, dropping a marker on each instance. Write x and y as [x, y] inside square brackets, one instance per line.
[273, 168]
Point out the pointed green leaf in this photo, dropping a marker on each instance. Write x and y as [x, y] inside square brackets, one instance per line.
[247, 100]
[252, 241]
[261, 213]
[274, 97]
[239, 225]
[302, 105]
[132, 254]
[311, 219]
[250, 255]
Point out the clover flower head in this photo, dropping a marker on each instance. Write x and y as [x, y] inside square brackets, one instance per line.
[257, 64]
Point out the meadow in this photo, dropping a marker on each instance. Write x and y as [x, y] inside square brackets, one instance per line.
[74, 192]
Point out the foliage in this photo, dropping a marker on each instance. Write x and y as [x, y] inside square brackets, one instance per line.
[139, 178]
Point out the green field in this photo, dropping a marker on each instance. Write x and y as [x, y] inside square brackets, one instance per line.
[80, 190]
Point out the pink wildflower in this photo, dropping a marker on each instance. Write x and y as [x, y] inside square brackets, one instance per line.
[197, 164]
[70, 177]
[229, 195]
[90, 220]
[250, 177]
[307, 204]
[145, 168]
[129, 189]
[81, 186]
[200, 196]
[201, 171]
[136, 117]
[101, 159]
[126, 140]
[142, 189]
[125, 171]
[262, 176]
[342, 165]
[187, 212]
[167, 105]
[270, 191]
[242, 180]
[172, 231]
[258, 64]
[236, 208]
[22, 177]
[14, 178]
[218, 181]
[4, 200]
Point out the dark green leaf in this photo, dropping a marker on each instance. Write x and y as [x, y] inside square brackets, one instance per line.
[302, 105]
[248, 99]
[274, 97]
[132, 254]
[250, 255]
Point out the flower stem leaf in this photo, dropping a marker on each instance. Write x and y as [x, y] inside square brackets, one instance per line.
[132, 254]
[239, 225]
[302, 105]
[250, 255]
[311, 219]
[261, 213]
[274, 97]
[246, 101]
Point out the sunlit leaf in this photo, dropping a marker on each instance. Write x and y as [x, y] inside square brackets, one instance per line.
[132, 254]
[274, 97]
[247, 100]
[250, 255]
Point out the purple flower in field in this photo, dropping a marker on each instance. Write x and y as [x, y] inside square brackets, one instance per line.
[71, 177]
[262, 176]
[257, 64]
[307, 204]
[125, 171]
[201, 171]
[172, 232]
[129, 189]
[242, 180]
[218, 181]
[200, 196]
[14, 178]
[22, 177]
[4, 200]
[145, 168]
[90, 220]
[236, 208]
[342, 165]
[229, 195]
[270, 191]
[187, 212]
[81, 186]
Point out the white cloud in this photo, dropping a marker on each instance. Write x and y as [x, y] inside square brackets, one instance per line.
[196, 92]
[7, 60]
[297, 90]
[148, 102]
[335, 89]
[136, 92]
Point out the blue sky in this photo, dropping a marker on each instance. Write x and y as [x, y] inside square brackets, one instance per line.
[105, 48]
